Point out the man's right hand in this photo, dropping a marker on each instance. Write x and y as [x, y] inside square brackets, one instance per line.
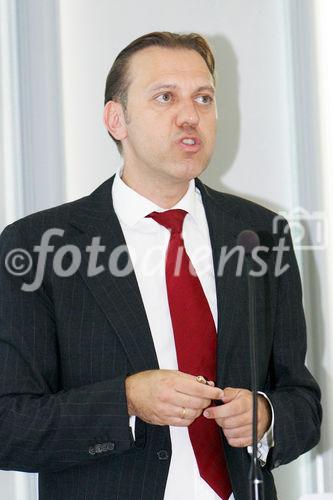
[160, 396]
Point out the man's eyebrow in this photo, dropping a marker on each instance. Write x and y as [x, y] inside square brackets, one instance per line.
[161, 86]
[206, 88]
[173, 86]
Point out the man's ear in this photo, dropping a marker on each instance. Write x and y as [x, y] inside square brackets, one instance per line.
[114, 120]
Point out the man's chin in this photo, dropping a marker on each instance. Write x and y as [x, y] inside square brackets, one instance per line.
[190, 168]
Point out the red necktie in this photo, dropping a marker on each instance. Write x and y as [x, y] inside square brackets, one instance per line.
[195, 340]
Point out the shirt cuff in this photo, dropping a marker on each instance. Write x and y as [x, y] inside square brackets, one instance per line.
[132, 420]
[267, 441]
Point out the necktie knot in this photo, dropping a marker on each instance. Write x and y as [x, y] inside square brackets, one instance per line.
[171, 219]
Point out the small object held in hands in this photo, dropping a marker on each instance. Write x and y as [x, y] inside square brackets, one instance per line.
[201, 379]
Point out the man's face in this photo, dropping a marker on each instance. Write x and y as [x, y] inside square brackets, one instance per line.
[170, 117]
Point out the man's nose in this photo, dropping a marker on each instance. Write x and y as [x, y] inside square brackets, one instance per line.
[187, 115]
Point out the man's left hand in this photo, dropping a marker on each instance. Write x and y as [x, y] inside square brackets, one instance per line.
[235, 416]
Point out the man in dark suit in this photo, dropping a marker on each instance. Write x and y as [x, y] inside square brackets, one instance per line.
[101, 390]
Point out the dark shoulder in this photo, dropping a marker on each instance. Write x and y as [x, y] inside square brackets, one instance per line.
[245, 211]
[57, 216]
[60, 215]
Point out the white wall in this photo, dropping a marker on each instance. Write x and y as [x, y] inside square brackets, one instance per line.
[324, 38]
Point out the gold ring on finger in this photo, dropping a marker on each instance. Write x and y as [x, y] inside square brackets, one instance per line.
[183, 413]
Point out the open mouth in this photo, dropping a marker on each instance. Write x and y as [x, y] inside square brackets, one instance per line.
[190, 143]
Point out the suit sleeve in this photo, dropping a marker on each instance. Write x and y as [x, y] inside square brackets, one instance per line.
[42, 427]
[293, 392]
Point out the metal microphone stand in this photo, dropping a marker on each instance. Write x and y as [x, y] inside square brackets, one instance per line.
[255, 476]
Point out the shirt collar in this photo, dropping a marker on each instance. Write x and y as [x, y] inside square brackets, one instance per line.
[131, 207]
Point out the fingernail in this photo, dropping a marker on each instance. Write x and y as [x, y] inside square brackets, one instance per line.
[206, 413]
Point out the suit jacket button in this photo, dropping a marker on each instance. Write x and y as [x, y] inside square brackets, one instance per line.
[163, 455]
[110, 446]
[104, 447]
[92, 450]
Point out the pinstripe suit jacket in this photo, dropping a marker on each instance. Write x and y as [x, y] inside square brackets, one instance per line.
[66, 349]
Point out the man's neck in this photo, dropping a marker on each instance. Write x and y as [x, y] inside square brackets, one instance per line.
[165, 195]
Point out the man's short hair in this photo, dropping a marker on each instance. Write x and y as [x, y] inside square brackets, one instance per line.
[117, 81]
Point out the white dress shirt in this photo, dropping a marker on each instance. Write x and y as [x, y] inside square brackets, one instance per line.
[147, 242]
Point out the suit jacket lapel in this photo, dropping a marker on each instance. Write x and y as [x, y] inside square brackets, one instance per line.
[223, 229]
[118, 296]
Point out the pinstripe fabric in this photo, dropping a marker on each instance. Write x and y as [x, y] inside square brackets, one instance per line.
[66, 349]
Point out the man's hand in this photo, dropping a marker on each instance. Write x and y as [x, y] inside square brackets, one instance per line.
[235, 416]
[160, 396]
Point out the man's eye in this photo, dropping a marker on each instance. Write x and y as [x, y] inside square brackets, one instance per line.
[204, 99]
[166, 97]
